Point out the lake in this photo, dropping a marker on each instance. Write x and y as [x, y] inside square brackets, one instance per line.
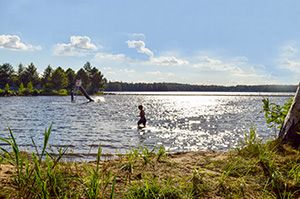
[180, 121]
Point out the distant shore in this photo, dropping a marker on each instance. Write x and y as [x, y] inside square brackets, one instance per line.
[130, 88]
[161, 93]
[202, 93]
[178, 87]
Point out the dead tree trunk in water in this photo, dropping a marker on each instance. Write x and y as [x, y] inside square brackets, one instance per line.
[83, 91]
[290, 130]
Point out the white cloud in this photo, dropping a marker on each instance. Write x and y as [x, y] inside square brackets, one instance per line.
[160, 74]
[127, 71]
[198, 69]
[13, 42]
[117, 74]
[289, 58]
[78, 46]
[292, 65]
[102, 56]
[235, 70]
[167, 61]
[140, 46]
[216, 64]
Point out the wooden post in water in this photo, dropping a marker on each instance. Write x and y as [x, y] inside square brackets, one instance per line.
[290, 130]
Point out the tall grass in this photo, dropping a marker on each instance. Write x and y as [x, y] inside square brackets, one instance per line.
[42, 175]
[280, 179]
[256, 169]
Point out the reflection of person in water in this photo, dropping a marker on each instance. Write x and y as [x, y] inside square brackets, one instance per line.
[142, 117]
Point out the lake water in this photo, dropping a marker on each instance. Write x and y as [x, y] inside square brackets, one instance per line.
[179, 121]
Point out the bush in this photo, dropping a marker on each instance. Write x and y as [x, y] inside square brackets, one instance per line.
[274, 113]
[21, 90]
[35, 92]
[60, 92]
[2, 92]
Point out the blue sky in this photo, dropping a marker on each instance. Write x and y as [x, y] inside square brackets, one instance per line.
[225, 42]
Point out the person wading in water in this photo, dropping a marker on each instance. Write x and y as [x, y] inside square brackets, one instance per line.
[142, 118]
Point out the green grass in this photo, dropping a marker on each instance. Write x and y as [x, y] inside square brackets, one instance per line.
[254, 170]
[40, 175]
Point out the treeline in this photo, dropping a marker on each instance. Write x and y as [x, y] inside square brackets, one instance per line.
[57, 81]
[123, 86]
[53, 81]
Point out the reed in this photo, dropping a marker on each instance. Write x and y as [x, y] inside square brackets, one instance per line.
[256, 169]
[41, 175]
[161, 153]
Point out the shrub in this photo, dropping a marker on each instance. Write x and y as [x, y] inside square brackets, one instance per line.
[274, 113]
[1, 92]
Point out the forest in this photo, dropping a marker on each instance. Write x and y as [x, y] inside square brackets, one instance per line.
[123, 86]
[53, 81]
[57, 81]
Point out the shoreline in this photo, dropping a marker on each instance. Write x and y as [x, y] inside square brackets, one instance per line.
[238, 173]
[174, 93]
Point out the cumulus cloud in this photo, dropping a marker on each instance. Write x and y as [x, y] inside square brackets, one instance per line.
[78, 46]
[201, 68]
[169, 60]
[140, 46]
[13, 42]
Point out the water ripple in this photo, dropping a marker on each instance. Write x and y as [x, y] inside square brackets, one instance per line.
[180, 123]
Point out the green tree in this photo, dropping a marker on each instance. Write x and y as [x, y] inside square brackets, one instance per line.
[81, 74]
[46, 79]
[97, 81]
[6, 73]
[59, 79]
[71, 78]
[20, 68]
[21, 74]
[92, 78]
[88, 68]
[114, 86]
[31, 75]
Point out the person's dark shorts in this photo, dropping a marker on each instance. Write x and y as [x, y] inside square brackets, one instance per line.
[142, 121]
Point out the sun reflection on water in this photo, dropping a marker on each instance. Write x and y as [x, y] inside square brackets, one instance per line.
[180, 123]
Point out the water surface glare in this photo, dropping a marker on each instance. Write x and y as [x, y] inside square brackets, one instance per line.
[178, 121]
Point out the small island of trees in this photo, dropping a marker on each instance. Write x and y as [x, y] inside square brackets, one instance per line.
[53, 81]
